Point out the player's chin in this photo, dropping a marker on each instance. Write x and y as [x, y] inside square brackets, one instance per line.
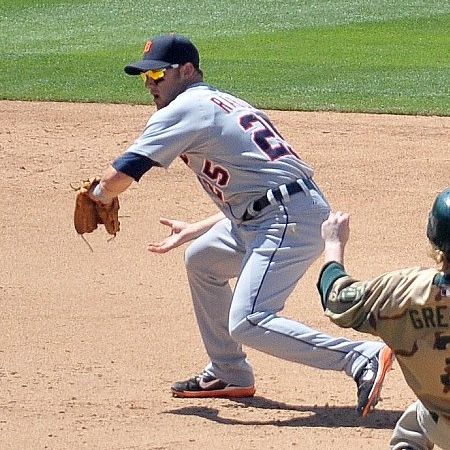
[158, 102]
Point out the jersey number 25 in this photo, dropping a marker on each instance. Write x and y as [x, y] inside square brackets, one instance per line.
[266, 136]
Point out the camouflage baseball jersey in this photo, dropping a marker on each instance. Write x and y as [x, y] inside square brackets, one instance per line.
[410, 310]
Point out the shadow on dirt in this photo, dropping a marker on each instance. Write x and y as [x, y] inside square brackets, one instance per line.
[311, 416]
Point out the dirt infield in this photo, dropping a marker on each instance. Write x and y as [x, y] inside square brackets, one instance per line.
[91, 342]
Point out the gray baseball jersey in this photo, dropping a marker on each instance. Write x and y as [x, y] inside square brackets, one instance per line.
[239, 156]
[233, 148]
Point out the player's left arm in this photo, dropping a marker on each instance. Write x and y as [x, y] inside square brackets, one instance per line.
[335, 233]
[119, 176]
[168, 133]
[360, 304]
[342, 296]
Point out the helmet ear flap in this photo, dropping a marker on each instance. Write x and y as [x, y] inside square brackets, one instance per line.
[438, 228]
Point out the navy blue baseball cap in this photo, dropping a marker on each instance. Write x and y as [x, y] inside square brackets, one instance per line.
[163, 51]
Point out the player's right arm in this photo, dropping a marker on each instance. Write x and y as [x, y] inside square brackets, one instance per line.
[344, 299]
[361, 305]
[182, 232]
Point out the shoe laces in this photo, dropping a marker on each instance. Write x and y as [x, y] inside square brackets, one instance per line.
[368, 371]
[202, 375]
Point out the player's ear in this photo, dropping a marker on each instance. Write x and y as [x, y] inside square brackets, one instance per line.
[188, 70]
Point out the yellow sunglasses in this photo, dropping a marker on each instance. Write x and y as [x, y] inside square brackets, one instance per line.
[157, 75]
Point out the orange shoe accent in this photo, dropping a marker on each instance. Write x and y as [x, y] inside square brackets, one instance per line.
[385, 361]
[228, 392]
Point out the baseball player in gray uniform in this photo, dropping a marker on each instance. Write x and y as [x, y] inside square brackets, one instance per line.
[410, 310]
[266, 234]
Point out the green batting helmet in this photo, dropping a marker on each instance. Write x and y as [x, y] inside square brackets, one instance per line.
[438, 230]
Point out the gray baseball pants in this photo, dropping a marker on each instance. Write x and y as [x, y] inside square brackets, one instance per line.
[268, 255]
[417, 430]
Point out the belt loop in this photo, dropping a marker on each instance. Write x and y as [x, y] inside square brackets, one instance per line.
[250, 212]
[304, 187]
[272, 200]
[284, 193]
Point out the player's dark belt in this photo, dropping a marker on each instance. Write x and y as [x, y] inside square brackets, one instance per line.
[259, 204]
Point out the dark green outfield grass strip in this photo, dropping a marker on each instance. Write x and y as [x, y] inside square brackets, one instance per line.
[320, 56]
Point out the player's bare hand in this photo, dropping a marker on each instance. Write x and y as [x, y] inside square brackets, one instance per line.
[335, 233]
[180, 233]
[336, 228]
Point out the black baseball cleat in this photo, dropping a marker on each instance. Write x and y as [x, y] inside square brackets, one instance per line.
[370, 380]
[205, 385]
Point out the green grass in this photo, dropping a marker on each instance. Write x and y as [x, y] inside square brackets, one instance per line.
[371, 56]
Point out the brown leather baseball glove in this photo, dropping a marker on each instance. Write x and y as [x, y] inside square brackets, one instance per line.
[89, 213]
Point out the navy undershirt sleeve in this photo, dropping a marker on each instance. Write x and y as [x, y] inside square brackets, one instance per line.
[133, 164]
